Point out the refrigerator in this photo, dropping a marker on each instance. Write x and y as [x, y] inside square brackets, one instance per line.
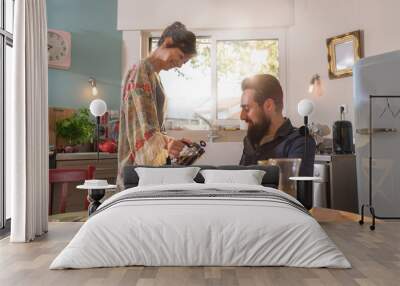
[378, 75]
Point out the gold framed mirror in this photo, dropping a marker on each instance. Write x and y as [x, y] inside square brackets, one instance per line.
[343, 51]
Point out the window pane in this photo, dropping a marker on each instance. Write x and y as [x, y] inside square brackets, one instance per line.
[188, 89]
[9, 15]
[237, 60]
[1, 15]
[153, 44]
[8, 86]
[2, 204]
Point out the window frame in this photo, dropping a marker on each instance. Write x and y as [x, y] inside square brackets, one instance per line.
[6, 39]
[233, 35]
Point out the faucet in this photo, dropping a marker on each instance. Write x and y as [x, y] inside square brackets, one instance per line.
[213, 134]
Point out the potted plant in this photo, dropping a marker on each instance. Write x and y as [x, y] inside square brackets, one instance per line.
[77, 131]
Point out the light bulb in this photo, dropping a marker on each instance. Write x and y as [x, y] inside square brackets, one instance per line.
[94, 91]
[317, 89]
[315, 86]
[92, 82]
[311, 88]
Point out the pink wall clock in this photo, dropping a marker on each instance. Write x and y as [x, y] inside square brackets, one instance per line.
[59, 49]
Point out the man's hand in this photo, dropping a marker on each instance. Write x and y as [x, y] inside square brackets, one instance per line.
[175, 147]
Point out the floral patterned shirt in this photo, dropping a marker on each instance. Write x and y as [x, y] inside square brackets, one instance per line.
[141, 141]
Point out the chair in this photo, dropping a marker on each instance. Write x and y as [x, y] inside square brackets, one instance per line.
[65, 176]
[288, 167]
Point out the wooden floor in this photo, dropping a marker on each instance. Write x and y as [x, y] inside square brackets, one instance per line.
[375, 257]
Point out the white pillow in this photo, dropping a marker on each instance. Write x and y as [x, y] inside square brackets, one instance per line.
[166, 176]
[248, 177]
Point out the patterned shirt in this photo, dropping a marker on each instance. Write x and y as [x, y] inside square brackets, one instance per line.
[141, 118]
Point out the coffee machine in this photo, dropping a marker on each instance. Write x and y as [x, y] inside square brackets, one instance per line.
[342, 133]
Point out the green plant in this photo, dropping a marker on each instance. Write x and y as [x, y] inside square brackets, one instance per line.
[77, 129]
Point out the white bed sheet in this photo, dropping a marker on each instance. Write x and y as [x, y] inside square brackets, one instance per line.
[206, 231]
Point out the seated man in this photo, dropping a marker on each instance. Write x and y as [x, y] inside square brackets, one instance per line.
[269, 134]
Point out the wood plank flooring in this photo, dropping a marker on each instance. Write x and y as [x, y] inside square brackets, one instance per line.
[375, 257]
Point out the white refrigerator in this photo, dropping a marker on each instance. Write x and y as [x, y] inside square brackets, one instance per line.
[378, 75]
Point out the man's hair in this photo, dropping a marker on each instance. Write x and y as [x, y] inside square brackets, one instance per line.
[182, 38]
[265, 86]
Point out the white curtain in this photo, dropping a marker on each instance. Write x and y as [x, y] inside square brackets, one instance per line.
[27, 124]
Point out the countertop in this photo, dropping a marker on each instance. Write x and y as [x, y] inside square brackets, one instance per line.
[328, 157]
[85, 156]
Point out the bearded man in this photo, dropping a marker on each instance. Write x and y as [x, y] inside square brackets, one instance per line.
[269, 133]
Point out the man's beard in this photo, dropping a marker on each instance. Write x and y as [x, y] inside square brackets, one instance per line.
[256, 131]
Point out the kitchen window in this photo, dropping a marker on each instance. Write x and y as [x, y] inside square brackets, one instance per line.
[209, 85]
[6, 44]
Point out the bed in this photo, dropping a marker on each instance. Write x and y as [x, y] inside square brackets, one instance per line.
[197, 224]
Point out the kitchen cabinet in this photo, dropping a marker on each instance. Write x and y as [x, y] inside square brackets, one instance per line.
[339, 181]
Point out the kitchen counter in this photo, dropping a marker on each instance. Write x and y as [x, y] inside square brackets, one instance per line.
[338, 172]
[329, 157]
[106, 165]
[85, 156]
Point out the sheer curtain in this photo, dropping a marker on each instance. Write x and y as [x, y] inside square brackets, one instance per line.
[27, 124]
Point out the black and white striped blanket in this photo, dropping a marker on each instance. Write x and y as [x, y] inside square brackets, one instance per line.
[205, 194]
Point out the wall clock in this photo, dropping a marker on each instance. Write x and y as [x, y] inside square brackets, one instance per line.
[59, 49]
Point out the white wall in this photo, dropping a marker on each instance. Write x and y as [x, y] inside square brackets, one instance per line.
[317, 20]
[309, 23]
[204, 14]
[131, 50]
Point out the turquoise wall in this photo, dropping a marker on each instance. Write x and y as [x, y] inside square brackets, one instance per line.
[96, 52]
